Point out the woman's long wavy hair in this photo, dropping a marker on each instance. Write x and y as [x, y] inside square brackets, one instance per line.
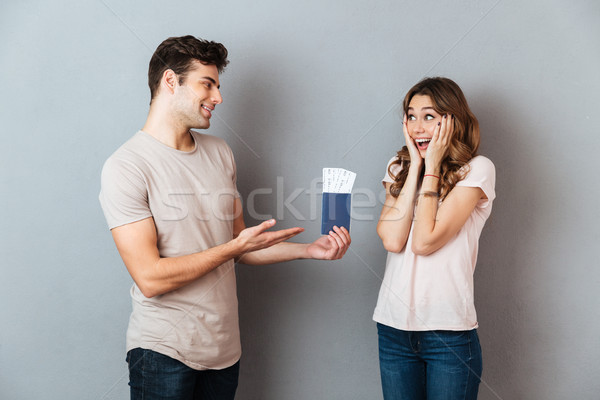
[447, 98]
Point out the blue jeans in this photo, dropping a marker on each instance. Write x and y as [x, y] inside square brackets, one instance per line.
[432, 365]
[154, 376]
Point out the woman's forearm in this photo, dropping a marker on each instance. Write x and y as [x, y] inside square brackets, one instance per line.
[396, 217]
[427, 208]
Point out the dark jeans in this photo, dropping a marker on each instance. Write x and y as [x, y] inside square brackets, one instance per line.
[154, 376]
[432, 365]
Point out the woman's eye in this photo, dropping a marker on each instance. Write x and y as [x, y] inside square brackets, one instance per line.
[429, 117]
[411, 118]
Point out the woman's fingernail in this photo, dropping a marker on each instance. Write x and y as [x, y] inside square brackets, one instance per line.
[439, 123]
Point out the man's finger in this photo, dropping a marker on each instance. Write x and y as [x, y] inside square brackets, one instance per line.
[347, 233]
[341, 242]
[334, 247]
[345, 236]
[340, 248]
[342, 232]
[337, 239]
[263, 226]
[284, 234]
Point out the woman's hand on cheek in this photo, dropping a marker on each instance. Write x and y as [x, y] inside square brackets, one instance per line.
[413, 151]
[440, 142]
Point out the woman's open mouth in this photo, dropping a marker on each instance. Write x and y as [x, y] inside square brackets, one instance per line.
[422, 144]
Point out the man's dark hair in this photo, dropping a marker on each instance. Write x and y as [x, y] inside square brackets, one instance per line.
[179, 53]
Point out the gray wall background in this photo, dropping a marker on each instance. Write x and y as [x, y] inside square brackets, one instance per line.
[311, 84]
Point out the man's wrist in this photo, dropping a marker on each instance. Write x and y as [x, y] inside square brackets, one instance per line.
[234, 248]
[303, 253]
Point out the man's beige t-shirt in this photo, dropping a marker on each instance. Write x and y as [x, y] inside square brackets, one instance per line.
[190, 196]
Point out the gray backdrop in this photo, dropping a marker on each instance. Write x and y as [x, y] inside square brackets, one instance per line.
[310, 85]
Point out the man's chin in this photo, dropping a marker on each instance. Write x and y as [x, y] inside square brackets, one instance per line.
[204, 124]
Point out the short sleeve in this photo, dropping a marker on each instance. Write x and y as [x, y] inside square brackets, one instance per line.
[123, 193]
[482, 174]
[234, 174]
[395, 170]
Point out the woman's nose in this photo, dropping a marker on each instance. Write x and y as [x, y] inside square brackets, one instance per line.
[418, 126]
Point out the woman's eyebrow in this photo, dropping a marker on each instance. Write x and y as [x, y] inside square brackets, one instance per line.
[423, 108]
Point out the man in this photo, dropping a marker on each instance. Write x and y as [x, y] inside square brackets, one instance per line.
[170, 199]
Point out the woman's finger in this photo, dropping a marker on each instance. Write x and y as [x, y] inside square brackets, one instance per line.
[436, 133]
[443, 126]
[450, 127]
[405, 130]
[410, 143]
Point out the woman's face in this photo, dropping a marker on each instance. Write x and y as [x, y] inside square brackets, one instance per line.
[422, 121]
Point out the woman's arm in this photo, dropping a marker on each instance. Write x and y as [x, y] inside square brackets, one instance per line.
[396, 215]
[435, 227]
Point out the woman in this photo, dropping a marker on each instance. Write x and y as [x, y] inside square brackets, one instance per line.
[439, 195]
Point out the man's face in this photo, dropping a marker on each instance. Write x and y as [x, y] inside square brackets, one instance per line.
[195, 99]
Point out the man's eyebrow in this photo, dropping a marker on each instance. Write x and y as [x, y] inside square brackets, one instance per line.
[212, 80]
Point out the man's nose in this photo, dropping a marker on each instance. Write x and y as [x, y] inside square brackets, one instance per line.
[216, 97]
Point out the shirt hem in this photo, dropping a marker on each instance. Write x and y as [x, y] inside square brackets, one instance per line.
[194, 365]
[422, 328]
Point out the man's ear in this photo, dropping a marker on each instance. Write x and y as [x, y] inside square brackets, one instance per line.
[169, 81]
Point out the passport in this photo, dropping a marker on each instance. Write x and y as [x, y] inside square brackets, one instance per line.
[337, 199]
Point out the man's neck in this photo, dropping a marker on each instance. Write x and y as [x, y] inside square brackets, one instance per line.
[168, 132]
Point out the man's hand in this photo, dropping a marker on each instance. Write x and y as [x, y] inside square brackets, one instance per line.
[255, 237]
[330, 247]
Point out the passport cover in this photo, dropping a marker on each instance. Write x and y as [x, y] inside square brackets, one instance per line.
[335, 211]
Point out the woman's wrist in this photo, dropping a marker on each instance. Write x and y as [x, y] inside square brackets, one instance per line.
[432, 170]
[415, 167]
[431, 179]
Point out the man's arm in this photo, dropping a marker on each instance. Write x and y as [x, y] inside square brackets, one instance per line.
[137, 245]
[330, 247]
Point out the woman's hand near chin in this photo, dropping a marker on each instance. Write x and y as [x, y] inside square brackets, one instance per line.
[439, 145]
[416, 161]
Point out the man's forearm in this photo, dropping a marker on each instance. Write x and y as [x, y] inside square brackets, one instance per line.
[281, 252]
[171, 273]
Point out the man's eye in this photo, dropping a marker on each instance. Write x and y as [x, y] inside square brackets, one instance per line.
[208, 84]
